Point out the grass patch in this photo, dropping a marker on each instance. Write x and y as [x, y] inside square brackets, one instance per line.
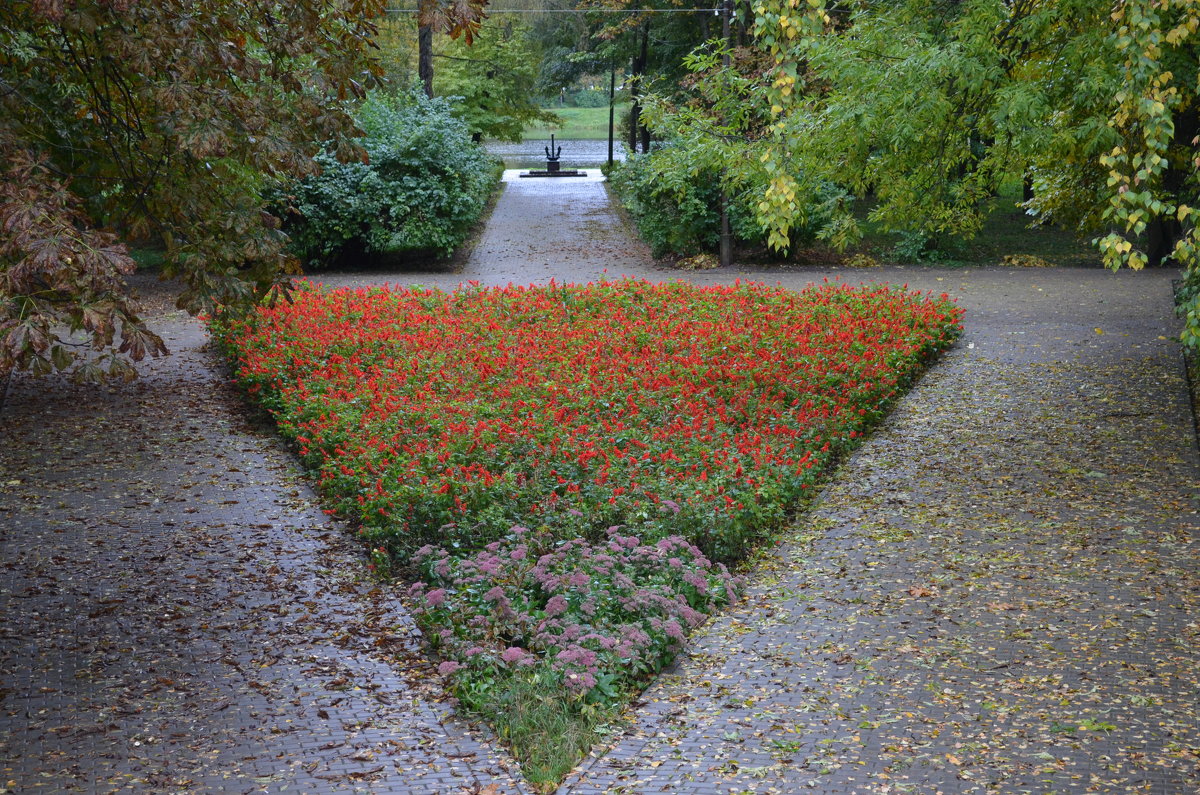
[577, 124]
[564, 472]
[525, 709]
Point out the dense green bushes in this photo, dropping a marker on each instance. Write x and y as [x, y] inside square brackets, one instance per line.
[676, 203]
[424, 187]
[590, 98]
[677, 212]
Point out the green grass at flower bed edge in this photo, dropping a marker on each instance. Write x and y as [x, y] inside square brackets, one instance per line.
[548, 734]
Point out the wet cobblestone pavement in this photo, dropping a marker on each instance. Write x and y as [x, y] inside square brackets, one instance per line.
[997, 593]
[177, 614]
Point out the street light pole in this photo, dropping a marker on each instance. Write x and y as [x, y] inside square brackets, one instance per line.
[612, 94]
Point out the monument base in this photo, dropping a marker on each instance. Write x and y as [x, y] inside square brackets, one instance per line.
[571, 173]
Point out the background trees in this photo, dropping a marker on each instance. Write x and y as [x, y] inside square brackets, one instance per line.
[156, 121]
[493, 79]
[930, 107]
[161, 122]
[166, 122]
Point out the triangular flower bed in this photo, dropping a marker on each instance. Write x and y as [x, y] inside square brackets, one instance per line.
[566, 471]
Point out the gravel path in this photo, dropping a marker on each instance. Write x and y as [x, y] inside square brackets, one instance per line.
[998, 592]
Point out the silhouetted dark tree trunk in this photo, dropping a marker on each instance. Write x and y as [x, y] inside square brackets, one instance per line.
[425, 58]
[638, 70]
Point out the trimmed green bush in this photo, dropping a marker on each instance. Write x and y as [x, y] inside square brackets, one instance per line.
[424, 187]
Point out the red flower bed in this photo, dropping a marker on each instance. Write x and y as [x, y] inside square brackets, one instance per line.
[670, 409]
[643, 433]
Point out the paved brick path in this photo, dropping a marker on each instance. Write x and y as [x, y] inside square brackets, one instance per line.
[176, 614]
[998, 593]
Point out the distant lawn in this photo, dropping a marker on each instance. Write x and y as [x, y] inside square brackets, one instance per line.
[578, 124]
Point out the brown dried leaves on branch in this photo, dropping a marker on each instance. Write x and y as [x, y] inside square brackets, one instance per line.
[455, 17]
[165, 122]
[60, 278]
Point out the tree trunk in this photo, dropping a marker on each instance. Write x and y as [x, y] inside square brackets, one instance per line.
[1163, 232]
[612, 100]
[425, 58]
[637, 72]
[635, 107]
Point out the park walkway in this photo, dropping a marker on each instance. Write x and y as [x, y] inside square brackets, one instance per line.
[997, 593]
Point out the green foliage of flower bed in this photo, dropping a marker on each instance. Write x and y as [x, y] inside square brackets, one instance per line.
[575, 625]
[424, 187]
[646, 435]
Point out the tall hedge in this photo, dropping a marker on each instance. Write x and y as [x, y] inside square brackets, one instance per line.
[674, 198]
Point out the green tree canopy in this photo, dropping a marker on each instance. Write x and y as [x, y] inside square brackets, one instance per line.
[930, 107]
[162, 121]
[492, 80]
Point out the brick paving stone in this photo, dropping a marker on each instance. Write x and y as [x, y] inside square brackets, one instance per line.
[177, 614]
[998, 592]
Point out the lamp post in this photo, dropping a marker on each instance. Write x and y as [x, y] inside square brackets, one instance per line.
[612, 94]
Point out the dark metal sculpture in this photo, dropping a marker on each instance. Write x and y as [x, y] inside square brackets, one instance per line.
[553, 168]
[552, 154]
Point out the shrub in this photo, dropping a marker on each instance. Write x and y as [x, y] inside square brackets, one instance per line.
[916, 246]
[424, 188]
[676, 204]
[590, 98]
[676, 213]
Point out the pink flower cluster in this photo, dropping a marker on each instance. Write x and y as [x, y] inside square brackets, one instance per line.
[600, 616]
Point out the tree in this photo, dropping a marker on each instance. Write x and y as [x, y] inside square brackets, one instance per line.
[492, 80]
[930, 107]
[656, 45]
[456, 17]
[618, 32]
[162, 121]
[155, 121]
